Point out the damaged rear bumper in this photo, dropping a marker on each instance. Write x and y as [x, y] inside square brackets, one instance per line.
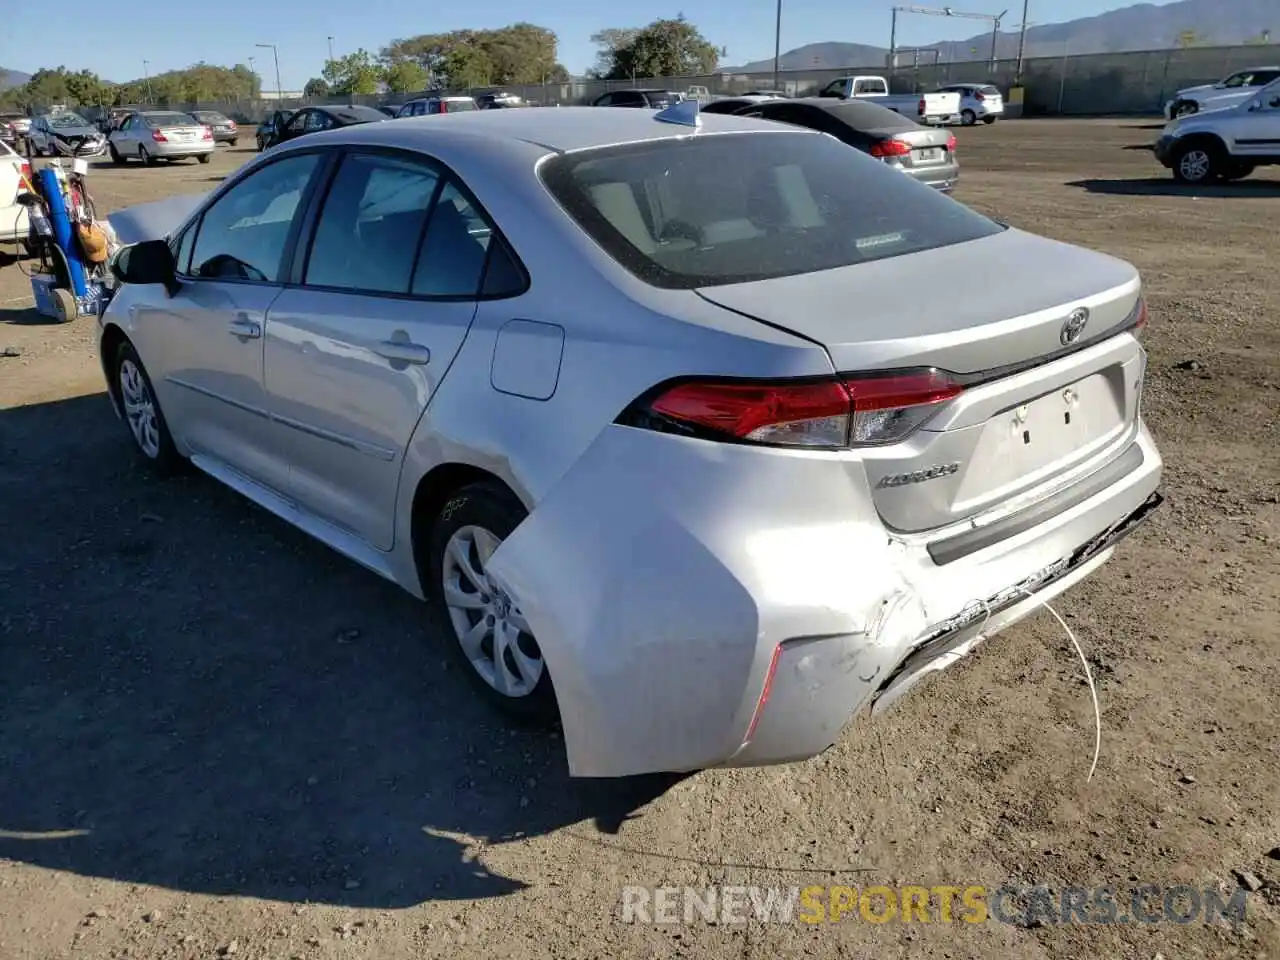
[669, 580]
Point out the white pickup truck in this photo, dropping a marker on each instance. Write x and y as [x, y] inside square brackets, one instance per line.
[940, 107]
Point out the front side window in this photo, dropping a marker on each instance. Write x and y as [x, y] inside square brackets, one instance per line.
[243, 235]
[733, 208]
[299, 122]
[368, 232]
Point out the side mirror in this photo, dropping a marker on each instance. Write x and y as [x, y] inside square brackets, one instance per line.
[150, 261]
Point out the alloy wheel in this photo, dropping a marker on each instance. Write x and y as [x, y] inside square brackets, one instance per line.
[493, 633]
[1195, 165]
[139, 409]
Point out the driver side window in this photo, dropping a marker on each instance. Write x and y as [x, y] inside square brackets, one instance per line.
[243, 235]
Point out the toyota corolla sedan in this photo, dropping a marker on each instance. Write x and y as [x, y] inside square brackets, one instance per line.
[646, 407]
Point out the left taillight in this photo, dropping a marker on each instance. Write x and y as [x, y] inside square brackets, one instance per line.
[835, 413]
[952, 143]
[890, 148]
[206, 133]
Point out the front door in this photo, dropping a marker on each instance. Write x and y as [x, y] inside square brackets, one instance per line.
[1257, 132]
[355, 352]
[211, 333]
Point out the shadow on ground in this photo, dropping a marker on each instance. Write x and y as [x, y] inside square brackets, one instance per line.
[24, 317]
[198, 697]
[1242, 189]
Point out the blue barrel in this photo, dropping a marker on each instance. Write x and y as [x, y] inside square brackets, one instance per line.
[63, 234]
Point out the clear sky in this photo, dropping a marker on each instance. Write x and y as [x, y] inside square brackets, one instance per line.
[113, 39]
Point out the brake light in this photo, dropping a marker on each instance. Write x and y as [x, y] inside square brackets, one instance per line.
[206, 133]
[231, 125]
[444, 106]
[1140, 317]
[159, 137]
[854, 410]
[922, 107]
[980, 95]
[24, 171]
[952, 143]
[890, 148]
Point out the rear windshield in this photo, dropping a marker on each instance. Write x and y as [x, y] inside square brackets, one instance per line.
[457, 106]
[990, 91]
[169, 119]
[732, 208]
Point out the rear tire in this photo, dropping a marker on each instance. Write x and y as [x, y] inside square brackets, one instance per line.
[233, 141]
[989, 120]
[968, 118]
[1198, 162]
[1238, 171]
[204, 157]
[475, 612]
[145, 157]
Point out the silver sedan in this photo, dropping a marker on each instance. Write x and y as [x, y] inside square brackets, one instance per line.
[650, 408]
[161, 135]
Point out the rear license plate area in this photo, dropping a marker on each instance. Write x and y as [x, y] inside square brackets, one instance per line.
[1037, 439]
[927, 155]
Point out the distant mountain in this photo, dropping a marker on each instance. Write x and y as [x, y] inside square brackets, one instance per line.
[1141, 27]
[12, 78]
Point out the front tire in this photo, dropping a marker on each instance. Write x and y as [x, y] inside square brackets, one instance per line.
[142, 414]
[491, 638]
[1197, 163]
[115, 154]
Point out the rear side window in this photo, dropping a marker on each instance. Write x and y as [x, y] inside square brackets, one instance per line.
[733, 208]
[451, 263]
[367, 235]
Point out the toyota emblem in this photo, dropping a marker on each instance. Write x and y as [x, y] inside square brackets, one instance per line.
[1074, 327]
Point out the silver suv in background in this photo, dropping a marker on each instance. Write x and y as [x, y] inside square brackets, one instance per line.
[1224, 144]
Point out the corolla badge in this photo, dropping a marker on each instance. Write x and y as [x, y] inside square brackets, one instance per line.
[918, 476]
[1074, 327]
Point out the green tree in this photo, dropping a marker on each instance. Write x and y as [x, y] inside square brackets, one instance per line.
[609, 41]
[467, 66]
[315, 89]
[406, 76]
[665, 48]
[355, 74]
[519, 53]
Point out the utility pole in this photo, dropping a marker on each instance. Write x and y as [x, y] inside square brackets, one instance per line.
[331, 49]
[276, 56]
[146, 73]
[1022, 43]
[777, 44]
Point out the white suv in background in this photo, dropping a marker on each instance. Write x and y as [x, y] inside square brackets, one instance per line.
[978, 101]
[1227, 144]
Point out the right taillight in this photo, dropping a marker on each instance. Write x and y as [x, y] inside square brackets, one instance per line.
[1140, 317]
[890, 148]
[922, 107]
[853, 410]
[159, 137]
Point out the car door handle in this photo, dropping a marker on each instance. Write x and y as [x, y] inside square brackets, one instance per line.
[244, 327]
[403, 350]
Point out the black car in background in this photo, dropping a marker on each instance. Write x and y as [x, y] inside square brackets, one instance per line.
[927, 154]
[223, 127]
[642, 99]
[267, 129]
[314, 119]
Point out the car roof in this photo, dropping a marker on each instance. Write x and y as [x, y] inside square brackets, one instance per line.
[351, 111]
[559, 130]
[855, 113]
[556, 130]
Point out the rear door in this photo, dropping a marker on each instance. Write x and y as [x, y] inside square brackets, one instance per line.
[357, 347]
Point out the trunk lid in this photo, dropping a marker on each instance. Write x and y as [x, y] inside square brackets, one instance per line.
[1038, 409]
[182, 132]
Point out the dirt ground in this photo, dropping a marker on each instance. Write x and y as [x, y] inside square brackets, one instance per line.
[217, 738]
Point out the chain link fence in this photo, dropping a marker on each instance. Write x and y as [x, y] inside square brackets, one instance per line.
[1070, 85]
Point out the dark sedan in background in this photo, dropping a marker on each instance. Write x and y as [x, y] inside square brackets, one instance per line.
[642, 99]
[314, 119]
[267, 128]
[223, 127]
[927, 154]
